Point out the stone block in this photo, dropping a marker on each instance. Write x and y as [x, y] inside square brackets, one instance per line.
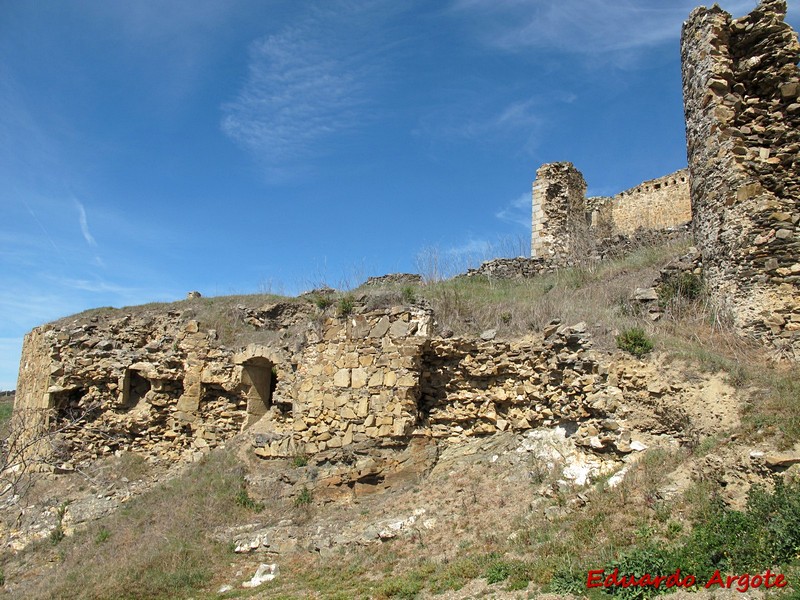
[342, 378]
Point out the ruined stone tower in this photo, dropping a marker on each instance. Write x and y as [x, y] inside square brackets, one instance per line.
[741, 90]
[559, 204]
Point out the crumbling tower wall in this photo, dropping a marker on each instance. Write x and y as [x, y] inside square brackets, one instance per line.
[559, 210]
[568, 225]
[742, 103]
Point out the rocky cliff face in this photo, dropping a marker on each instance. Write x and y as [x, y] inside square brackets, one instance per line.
[742, 99]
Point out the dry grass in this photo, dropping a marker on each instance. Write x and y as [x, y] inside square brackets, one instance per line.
[157, 545]
[598, 294]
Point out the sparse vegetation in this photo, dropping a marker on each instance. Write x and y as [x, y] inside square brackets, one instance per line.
[680, 285]
[635, 341]
[299, 460]
[304, 498]
[244, 500]
[346, 305]
[409, 294]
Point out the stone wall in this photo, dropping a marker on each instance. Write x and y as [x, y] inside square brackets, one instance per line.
[154, 382]
[357, 380]
[164, 384]
[567, 225]
[559, 200]
[653, 205]
[607, 248]
[742, 102]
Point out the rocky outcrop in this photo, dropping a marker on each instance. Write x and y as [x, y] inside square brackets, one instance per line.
[741, 88]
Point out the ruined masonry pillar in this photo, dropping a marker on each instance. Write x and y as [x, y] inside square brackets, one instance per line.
[741, 89]
[559, 205]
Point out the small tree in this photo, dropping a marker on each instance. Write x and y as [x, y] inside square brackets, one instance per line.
[31, 444]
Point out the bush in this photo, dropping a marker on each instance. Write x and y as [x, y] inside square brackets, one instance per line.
[304, 498]
[244, 500]
[346, 305]
[322, 301]
[635, 341]
[409, 294]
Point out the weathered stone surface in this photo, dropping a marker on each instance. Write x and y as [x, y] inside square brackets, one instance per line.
[567, 225]
[745, 168]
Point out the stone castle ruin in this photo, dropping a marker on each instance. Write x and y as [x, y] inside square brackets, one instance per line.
[566, 222]
[740, 193]
[164, 382]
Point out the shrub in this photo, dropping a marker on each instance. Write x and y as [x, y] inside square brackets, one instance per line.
[680, 285]
[346, 305]
[244, 500]
[322, 301]
[635, 341]
[304, 498]
[102, 535]
[409, 294]
[497, 571]
[299, 460]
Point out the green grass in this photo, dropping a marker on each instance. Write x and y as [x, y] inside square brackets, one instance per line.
[157, 545]
[6, 409]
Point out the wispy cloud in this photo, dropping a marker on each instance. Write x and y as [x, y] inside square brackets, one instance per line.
[590, 27]
[517, 211]
[518, 120]
[87, 235]
[306, 84]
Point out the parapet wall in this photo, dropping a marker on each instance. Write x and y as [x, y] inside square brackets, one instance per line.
[653, 205]
[567, 225]
[741, 90]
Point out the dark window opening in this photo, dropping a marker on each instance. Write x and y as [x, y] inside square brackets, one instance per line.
[134, 389]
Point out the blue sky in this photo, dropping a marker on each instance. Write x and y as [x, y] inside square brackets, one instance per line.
[150, 148]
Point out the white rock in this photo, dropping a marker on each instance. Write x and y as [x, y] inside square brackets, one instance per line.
[264, 573]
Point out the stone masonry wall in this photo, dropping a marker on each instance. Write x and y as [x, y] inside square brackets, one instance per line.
[655, 204]
[567, 225]
[160, 383]
[559, 200]
[357, 381]
[742, 101]
[163, 384]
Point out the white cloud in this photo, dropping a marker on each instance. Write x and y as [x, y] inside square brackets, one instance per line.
[589, 27]
[469, 117]
[517, 211]
[307, 84]
[84, 224]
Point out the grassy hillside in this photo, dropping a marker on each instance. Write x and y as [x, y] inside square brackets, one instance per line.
[511, 530]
